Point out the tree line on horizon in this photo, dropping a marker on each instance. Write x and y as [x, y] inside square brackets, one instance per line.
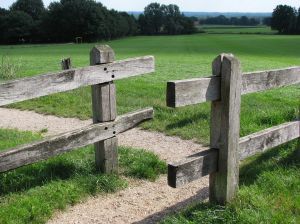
[28, 21]
[234, 21]
[286, 20]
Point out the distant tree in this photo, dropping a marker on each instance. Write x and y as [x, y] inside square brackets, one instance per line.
[284, 19]
[18, 26]
[298, 22]
[3, 14]
[244, 21]
[234, 21]
[34, 8]
[267, 21]
[68, 19]
[164, 19]
[154, 18]
[254, 22]
[188, 25]
[172, 19]
[223, 20]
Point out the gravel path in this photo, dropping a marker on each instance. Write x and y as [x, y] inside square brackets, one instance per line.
[142, 201]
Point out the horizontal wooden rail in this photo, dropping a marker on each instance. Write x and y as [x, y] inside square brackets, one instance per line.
[193, 91]
[192, 168]
[41, 150]
[42, 85]
[204, 163]
[268, 138]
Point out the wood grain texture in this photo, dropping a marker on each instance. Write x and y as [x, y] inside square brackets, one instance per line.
[42, 85]
[192, 168]
[106, 155]
[205, 163]
[102, 54]
[225, 135]
[104, 109]
[104, 102]
[268, 138]
[44, 149]
[194, 91]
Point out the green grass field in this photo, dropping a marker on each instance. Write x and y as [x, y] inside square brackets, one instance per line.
[219, 29]
[267, 181]
[177, 57]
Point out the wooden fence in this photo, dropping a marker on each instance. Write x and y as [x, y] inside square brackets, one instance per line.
[224, 89]
[100, 75]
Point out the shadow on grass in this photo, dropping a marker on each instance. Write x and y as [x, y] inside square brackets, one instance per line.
[78, 164]
[201, 195]
[286, 156]
[187, 121]
[283, 156]
[41, 173]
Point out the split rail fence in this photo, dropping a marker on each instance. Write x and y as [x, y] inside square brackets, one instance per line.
[224, 89]
[103, 133]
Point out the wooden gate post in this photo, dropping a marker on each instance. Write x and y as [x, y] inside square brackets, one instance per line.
[104, 110]
[225, 129]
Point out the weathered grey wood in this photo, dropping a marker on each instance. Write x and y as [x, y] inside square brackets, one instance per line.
[204, 163]
[102, 54]
[41, 150]
[42, 85]
[260, 81]
[104, 109]
[268, 138]
[104, 102]
[104, 94]
[194, 91]
[225, 135]
[106, 155]
[192, 168]
[66, 64]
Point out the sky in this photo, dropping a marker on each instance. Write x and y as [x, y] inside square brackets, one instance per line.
[191, 5]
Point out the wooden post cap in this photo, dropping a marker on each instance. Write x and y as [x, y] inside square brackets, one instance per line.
[102, 54]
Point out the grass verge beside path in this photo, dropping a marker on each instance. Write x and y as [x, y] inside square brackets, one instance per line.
[31, 194]
[269, 192]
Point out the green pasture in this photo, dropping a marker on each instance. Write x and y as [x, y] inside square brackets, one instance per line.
[269, 186]
[177, 57]
[224, 29]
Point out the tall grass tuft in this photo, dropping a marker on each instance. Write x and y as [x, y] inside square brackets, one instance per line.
[9, 69]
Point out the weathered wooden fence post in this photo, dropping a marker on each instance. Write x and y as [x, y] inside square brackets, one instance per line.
[66, 64]
[225, 129]
[104, 109]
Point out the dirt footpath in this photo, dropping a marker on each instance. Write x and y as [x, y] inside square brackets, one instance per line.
[142, 201]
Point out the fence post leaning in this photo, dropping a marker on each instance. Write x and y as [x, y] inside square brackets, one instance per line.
[104, 110]
[225, 129]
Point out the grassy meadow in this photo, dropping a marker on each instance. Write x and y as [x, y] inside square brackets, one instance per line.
[177, 57]
[269, 186]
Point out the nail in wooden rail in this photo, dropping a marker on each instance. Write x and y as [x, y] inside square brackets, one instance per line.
[104, 110]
